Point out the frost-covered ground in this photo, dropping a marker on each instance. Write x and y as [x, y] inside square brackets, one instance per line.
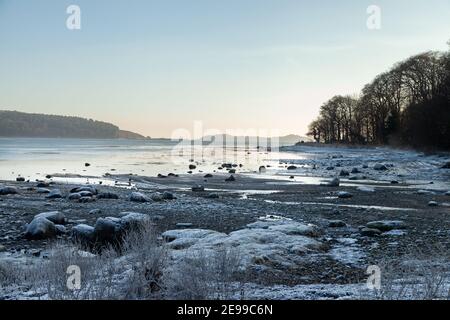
[279, 234]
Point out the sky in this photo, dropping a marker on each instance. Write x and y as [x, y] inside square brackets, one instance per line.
[158, 66]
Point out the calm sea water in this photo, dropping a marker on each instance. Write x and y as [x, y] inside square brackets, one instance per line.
[36, 158]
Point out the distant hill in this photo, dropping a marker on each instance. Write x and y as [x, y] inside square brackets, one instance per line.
[19, 124]
[288, 140]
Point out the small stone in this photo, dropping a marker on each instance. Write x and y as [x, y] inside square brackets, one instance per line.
[292, 168]
[380, 167]
[95, 212]
[8, 190]
[208, 176]
[74, 196]
[334, 183]
[368, 232]
[344, 173]
[54, 194]
[198, 188]
[433, 204]
[345, 195]
[20, 179]
[168, 196]
[337, 224]
[230, 179]
[192, 167]
[184, 225]
[139, 197]
[213, 196]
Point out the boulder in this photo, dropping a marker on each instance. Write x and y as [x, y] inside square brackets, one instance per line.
[139, 197]
[8, 190]
[157, 197]
[368, 232]
[133, 220]
[292, 168]
[344, 173]
[232, 171]
[198, 188]
[433, 204]
[207, 176]
[108, 230]
[230, 179]
[86, 199]
[192, 167]
[42, 184]
[54, 194]
[344, 195]
[74, 196]
[108, 195]
[380, 167]
[386, 225]
[86, 194]
[42, 190]
[262, 169]
[40, 229]
[54, 216]
[168, 196]
[334, 183]
[337, 224]
[90, 189]
[446, 166]
[84, 234]
[213, 196]
[20, 179]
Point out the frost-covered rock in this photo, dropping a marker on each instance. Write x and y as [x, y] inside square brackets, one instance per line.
[83, 233]
[344, 173]
[168, 196]
[334, 183]
[55, 216]
[336, 224]
[90, 189]
[365, 189]
[344, 195]
[55, 194]
[380, 167]
[198, 188]
[74, 196]
[386, 225]
[139, 197]
[133, 220]
[40, 228]
[108, 195]
[108, 229]
[446, 166]
[8, 190]
[274, 243]
[42, 190]
[369, 232]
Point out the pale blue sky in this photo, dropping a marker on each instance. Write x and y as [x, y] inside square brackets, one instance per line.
[155, 66]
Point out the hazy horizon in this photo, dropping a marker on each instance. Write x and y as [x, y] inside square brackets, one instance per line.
[152, 67]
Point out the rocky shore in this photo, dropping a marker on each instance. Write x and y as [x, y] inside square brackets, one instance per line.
[288, 234]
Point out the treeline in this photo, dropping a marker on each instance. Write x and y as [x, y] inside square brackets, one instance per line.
[19, 124]
[408, 105]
